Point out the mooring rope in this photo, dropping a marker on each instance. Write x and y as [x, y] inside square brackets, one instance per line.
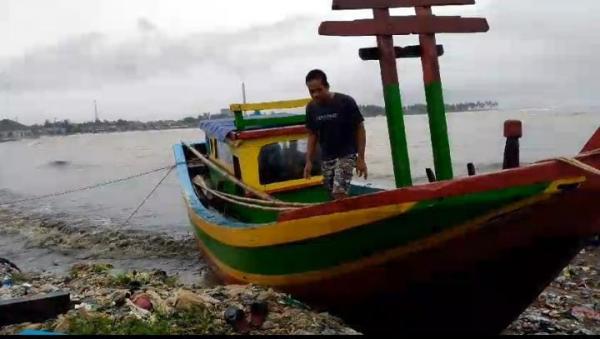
[243, 201]
[577, 163]
[220, 195]
[199, 181]
[149, 195]
[224, 173]
[85, 188]
[265, 202]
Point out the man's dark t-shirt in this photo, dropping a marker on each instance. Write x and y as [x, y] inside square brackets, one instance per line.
[335, 124]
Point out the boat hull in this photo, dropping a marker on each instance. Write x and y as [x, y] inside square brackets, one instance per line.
[478, 282]
[467, 255]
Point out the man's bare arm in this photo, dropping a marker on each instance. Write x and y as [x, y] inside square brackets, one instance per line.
[361, 140]
[310, 153]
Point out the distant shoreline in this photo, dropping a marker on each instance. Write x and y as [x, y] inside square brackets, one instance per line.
[382, 114]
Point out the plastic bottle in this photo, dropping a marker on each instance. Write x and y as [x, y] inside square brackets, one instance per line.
[7, 282]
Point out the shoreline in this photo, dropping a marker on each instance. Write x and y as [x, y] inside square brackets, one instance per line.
[195, 126]
[49, 243]
[569, 305]
[108, 301]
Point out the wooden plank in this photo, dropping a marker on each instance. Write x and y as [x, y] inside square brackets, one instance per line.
[404, 26]
[372, 53]
[368, 4]
[269, 105]
[34, 309]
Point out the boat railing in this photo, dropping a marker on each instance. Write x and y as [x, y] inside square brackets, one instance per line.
[249, 122]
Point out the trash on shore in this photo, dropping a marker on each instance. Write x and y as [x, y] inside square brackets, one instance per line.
[570, 304]
[105, 301]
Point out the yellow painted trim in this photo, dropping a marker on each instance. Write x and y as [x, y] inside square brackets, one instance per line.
[553, 187]
[303, 278]
[297, 230]
[248, 156]
[307, 277]
[269, 105]
[281, 186]
[289, 185]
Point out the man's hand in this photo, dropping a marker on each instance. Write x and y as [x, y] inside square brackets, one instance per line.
[310, 153]
[307, 170]
[361, 167]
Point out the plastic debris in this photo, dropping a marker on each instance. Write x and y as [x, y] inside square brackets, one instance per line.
[570, 304]
[103, 304]
[143, 301]
[7, 282]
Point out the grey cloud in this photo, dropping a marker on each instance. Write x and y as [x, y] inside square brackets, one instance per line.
[146, 25]
[538, 53]
[94, 60]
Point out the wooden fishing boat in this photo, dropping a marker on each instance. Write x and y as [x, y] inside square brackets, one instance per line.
[471, 253]
[465, 254]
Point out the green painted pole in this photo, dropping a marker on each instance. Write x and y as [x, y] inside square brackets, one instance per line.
[239, 120]
[393, 105]
[435, 103]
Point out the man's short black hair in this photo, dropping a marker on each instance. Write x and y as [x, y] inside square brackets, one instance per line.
[317, 74]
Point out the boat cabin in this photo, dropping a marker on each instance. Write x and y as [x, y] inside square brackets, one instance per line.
[265, 151]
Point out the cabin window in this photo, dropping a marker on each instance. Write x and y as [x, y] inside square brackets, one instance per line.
[208, 145]
[284, 161]
[223, 153]
[237, 170]
[215, 149]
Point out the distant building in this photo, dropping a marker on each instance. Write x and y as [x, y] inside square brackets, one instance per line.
[11, 130]
[58, 130]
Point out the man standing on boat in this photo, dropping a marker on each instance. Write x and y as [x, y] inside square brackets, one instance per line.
[335, 122]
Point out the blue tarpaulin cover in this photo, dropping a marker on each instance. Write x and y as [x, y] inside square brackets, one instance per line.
[218, 128]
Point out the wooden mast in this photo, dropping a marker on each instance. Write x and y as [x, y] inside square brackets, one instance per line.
[384, 27]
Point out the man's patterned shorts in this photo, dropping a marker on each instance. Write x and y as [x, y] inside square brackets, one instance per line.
[337, 174]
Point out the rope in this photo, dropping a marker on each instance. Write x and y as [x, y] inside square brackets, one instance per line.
[198, 180]
[149, 195]
[577, 163]
[275, 203]
[240, 203]
[230, 177]
[580, 165]
[588, 153]
[52, 195]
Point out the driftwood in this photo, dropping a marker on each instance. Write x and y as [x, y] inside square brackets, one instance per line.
[34, 309]
[9, 263]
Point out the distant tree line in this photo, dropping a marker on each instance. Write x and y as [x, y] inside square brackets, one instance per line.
[99, 126]
[374, 110]
[64, 127]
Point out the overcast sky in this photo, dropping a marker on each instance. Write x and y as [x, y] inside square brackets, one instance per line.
[167, 59]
